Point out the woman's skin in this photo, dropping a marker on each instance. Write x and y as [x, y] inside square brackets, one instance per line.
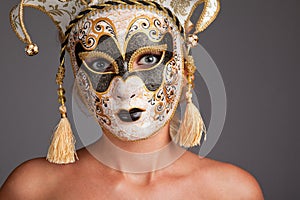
[189, 177]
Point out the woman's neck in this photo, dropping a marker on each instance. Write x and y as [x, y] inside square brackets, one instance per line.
[148, 155]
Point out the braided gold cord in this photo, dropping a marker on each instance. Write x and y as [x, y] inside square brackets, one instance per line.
[31, 48]
[120, 2]
[21, 16]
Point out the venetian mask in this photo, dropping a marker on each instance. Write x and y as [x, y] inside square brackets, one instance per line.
[129, 69]
[127, 58]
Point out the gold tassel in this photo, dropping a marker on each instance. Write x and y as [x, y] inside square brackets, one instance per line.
[62, 149]
[192, 127]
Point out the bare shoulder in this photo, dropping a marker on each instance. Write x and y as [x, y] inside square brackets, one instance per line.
[225, 180]
[37, 179]
[28, 181]
[40, 179]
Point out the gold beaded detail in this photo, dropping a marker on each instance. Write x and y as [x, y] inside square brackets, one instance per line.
[60, 75]
[61, 91]
[192, 40]
[31, 49]
[190, 69]
[61, 95]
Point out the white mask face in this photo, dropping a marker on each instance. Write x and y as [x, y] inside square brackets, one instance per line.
[129, 69]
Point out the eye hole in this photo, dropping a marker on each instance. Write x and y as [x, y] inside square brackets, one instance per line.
[149, 59]
[146, 61]
[100, 65]
[98, 62]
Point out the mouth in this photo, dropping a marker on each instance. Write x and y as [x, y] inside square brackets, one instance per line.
[132, 115]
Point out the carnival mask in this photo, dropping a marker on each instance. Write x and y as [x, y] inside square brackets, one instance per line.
[129, 59]
[129, 70]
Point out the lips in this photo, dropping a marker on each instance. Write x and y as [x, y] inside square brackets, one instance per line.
[132, 115]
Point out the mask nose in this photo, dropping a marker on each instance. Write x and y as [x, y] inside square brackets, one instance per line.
[128, 89]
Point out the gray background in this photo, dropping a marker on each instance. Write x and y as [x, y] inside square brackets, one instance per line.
[254, 44]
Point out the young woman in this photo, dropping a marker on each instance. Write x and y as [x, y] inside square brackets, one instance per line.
[132, 62]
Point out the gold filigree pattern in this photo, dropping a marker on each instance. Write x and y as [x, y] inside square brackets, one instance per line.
[184, 10]
[152, 27]
[92, 30]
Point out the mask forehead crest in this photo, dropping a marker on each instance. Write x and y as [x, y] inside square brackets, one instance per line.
[184, 9]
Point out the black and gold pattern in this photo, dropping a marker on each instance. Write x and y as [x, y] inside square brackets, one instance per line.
[162, 80]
